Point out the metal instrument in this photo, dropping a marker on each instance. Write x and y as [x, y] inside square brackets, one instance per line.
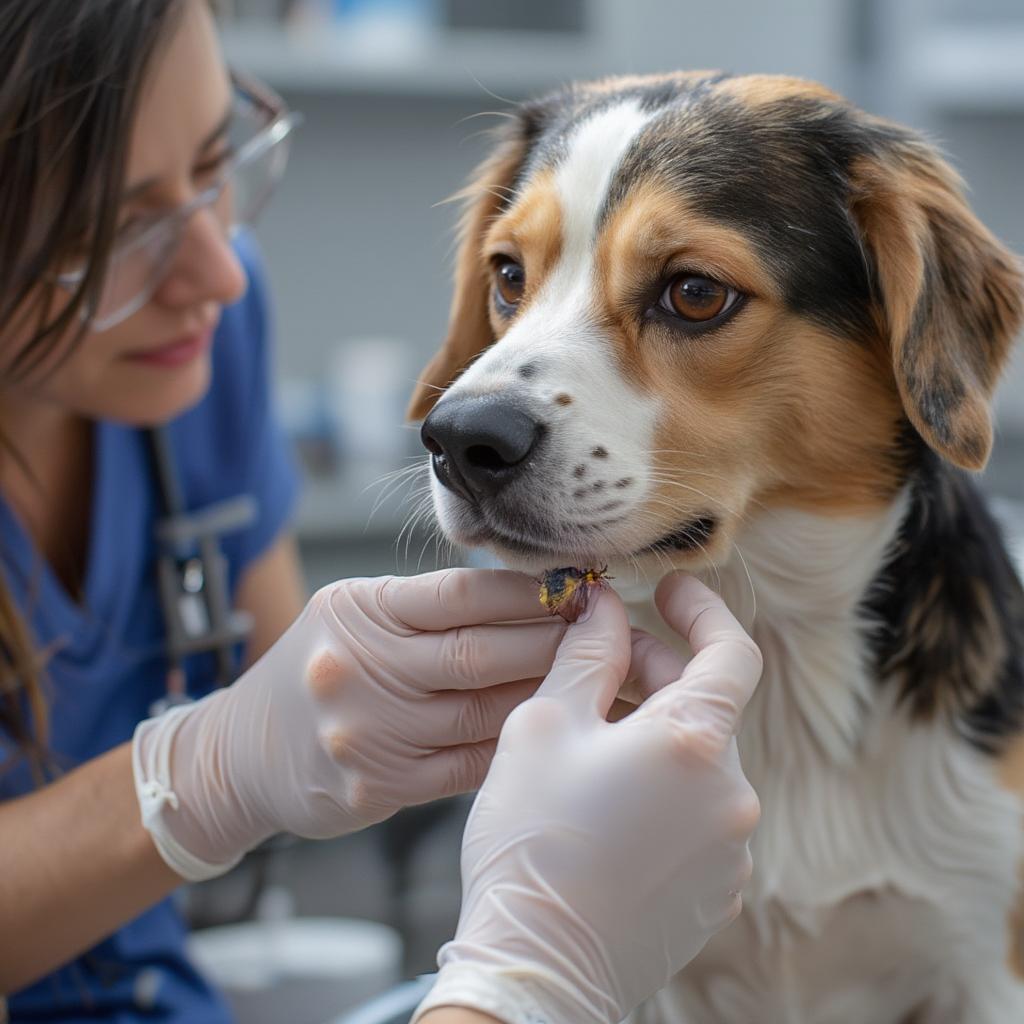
[192, 576]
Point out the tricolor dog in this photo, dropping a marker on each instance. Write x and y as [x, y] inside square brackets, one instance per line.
[737, 326]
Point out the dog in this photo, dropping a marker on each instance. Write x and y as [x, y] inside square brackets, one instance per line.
[734, 325]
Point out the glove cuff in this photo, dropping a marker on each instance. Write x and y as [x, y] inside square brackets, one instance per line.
[152, 744]
[511, 995]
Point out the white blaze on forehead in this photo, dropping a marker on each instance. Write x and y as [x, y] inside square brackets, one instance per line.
[559, 323]
[594, 152]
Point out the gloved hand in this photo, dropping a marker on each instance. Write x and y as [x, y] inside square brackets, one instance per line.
[383, 693]
[599, 858]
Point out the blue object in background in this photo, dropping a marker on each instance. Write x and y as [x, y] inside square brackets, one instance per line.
[414, 12]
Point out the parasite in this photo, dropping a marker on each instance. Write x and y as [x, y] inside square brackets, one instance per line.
[566, 591]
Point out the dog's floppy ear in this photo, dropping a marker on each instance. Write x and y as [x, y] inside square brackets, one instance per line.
[469, 329]
[950, 293]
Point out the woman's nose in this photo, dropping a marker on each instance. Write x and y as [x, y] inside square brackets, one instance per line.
[205, 267]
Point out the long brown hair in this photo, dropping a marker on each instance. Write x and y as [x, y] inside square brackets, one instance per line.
[72, 72]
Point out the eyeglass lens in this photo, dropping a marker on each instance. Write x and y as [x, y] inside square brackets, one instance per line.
[140, 264]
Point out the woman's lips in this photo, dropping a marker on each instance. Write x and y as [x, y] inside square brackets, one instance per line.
[175, 353]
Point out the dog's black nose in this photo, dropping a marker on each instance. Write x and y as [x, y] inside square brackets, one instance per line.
[479, 444]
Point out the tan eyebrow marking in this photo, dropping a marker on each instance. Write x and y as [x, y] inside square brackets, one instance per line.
[533, 229]
[652, 225]
[647, 233]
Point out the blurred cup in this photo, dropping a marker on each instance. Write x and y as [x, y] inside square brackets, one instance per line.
[368, 383]
[306, 421]
[298, 971]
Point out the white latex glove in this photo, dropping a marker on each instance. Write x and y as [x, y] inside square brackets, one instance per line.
[599, 858]
[383, 693]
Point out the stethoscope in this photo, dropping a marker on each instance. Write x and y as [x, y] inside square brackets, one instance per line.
[192, 576]
[193, 591]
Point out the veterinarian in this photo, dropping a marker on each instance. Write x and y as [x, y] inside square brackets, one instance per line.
[133, 350]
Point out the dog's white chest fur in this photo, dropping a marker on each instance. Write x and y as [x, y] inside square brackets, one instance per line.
[887, 855]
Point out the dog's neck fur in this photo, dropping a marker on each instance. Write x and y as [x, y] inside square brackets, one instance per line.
[864, 795]
[799, 586]
[797, 581]
[915, 607]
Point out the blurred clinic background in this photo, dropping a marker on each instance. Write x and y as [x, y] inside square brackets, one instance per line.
[397, 96]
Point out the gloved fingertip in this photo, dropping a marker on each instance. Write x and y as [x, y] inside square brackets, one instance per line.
[676, 593]
[592, 658]
[670, 583]
[603, 632]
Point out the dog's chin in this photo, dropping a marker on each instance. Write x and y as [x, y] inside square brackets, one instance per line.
[687, 547]
[535, 558]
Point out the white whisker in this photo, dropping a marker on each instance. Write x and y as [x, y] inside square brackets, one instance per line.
[750, 581]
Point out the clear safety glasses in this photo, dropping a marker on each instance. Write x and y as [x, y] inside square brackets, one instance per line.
[142, 254]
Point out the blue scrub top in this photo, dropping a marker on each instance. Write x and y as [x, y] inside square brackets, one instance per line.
[107, 665]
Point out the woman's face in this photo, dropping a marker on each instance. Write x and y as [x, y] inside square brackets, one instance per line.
[156, 363]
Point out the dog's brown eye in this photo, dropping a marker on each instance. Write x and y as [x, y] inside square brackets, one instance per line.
[696, 298]
[510, 281]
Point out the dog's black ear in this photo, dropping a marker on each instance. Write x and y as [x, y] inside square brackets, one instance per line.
[469, 329]
[950, 294]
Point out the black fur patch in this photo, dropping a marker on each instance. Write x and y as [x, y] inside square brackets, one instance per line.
[948, 609]
[689, 537]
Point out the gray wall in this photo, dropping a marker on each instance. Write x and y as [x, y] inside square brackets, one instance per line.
[355, 243]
